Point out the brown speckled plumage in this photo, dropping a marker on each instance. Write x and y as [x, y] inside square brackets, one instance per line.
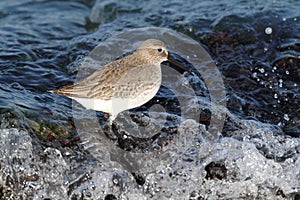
[112, 81]
[131, 77]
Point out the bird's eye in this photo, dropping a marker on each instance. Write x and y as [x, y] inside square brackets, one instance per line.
[159, 49]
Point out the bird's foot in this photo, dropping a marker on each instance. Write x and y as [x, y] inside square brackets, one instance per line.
[113, 131]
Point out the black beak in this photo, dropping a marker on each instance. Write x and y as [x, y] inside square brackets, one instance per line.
[177, 64]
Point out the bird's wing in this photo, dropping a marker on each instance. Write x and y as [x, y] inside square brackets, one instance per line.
[100, 84]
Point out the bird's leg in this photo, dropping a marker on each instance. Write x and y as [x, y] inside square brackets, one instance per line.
[111, 128]
[109, 131]
[114, 128]
[108, 127]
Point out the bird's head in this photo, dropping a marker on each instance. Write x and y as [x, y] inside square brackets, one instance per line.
[154, 50]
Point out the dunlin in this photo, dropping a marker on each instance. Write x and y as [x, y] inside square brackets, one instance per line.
[122, 84]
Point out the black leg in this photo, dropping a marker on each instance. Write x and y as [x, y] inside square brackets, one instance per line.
[110, 131]
[116, 130]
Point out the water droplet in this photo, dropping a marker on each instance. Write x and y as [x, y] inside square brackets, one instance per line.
[265, 49]
[286, 117]
[284, 19]
[115, 181]
[280, 82]
[254, 75]
[262, 70]
[93, 186]
[268, 30]
[275, 96]
[287, 72]
[279, 124]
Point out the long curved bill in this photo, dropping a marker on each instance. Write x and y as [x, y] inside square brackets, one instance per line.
[178, 64]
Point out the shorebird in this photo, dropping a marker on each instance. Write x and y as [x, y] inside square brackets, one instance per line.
[123, 84]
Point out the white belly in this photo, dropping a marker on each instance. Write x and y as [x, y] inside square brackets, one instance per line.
[116, 105]
[146, 77]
